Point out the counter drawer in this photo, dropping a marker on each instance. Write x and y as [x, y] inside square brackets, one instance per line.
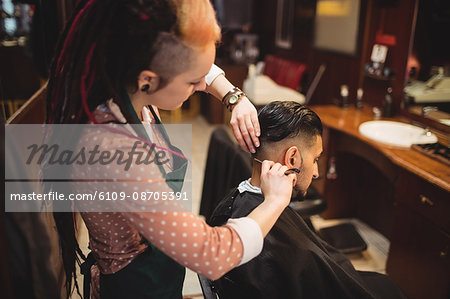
[425, 198]
[419, 256]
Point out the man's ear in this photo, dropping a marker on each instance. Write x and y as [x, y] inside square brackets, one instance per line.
[147, 77]
[292, 157]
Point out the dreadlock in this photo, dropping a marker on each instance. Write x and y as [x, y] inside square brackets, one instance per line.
[102, 50]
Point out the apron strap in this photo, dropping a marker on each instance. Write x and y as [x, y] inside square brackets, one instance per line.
[86, 272]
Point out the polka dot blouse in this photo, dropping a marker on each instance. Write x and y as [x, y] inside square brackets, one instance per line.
[115, 237]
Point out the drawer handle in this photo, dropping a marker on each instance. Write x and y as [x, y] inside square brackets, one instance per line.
[426, 200]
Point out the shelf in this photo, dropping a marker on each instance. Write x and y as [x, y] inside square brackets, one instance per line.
[378, 77]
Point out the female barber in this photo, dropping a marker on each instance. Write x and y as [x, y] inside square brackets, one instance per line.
[119, 61]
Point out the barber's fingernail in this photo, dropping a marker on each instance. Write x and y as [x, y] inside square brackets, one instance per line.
[252, 150]
[257, 144]
[258, 133]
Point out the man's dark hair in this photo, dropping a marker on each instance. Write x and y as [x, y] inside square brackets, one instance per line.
[287, 119]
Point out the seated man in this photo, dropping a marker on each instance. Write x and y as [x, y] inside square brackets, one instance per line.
[295, 262]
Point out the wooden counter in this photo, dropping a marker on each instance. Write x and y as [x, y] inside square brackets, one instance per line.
[348, 121]
[400, 192]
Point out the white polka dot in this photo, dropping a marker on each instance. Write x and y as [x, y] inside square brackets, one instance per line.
[174, 223]
[163, 222]
[161, 232]
[172, 244]
[173, 234]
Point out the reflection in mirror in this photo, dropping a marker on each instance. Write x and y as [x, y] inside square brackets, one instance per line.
[427, 92]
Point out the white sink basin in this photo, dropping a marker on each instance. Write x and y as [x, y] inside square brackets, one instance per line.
[396, 133]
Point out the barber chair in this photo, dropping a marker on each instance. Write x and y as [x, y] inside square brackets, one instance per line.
[226, 166]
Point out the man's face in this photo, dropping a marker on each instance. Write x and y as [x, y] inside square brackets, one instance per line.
[309, 169]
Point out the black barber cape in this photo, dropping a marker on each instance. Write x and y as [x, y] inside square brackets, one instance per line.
[294, 263]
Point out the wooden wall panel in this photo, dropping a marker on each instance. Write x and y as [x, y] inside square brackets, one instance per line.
[394, 17]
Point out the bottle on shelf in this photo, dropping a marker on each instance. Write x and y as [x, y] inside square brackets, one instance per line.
[388, 104]
[344, 96]
[359, 98]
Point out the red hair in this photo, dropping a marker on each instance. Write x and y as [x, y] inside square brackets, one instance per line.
[197, 22]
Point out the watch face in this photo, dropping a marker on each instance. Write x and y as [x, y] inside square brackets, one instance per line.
[233, 99]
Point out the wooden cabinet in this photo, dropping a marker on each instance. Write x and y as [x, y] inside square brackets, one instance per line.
[418, 258]
[400, 192]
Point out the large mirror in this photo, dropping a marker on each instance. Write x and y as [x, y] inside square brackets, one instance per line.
[427, 91]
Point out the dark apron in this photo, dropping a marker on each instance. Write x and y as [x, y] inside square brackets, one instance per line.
[152, 274]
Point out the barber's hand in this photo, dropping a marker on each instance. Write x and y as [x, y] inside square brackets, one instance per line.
[275, 184]
[245, 125]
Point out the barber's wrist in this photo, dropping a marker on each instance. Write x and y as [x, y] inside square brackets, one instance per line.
[232, 98]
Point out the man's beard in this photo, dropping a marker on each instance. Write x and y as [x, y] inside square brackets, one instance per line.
[298, 194]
